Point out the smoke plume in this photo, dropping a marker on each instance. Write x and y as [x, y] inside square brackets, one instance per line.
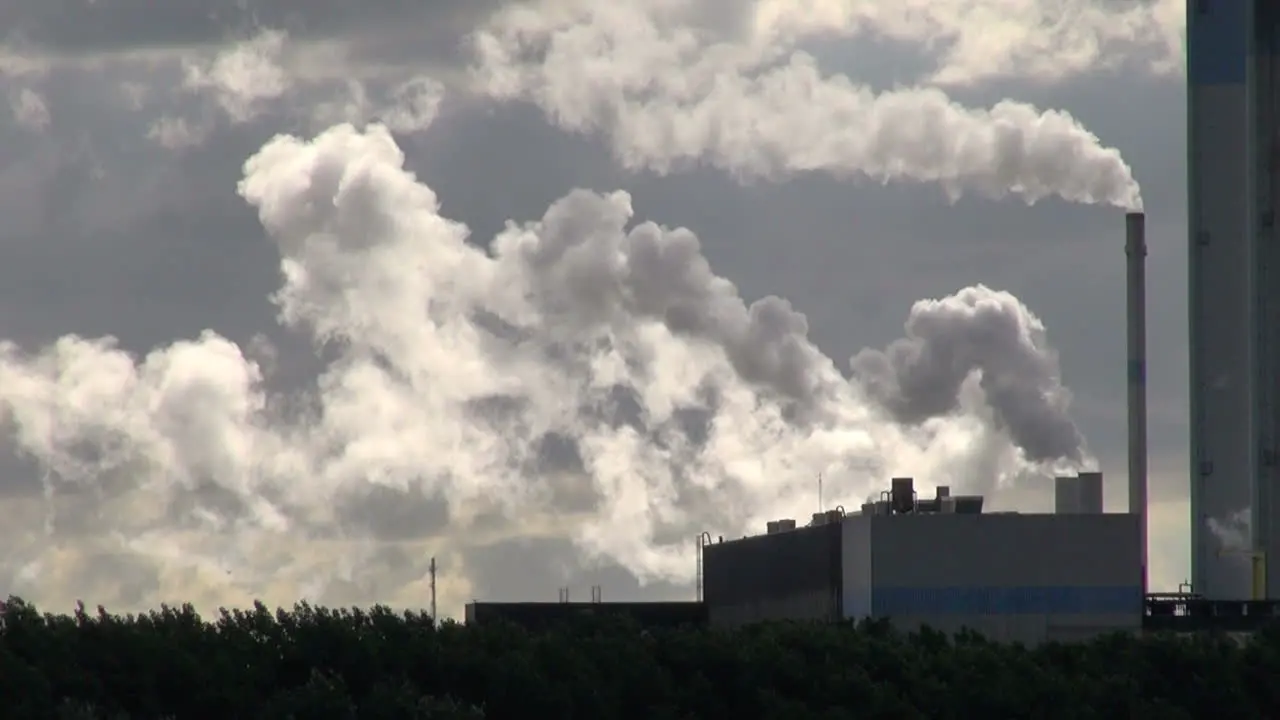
[992, 337]
[270, 75]
[978, 41]
[1234, 532]
[666, 97]
[585, 374]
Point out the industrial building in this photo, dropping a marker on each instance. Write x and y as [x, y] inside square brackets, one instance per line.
[941, 561]
[543, 615]
[1078, 572]
[1233, 97]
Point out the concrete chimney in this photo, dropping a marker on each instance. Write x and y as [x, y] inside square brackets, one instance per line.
[1135, 247]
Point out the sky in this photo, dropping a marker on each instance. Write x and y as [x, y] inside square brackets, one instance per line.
[296, 296]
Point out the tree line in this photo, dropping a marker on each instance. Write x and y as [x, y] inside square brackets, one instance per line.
[329, 664]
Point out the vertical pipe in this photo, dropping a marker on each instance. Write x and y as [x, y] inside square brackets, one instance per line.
[434, 621]
[1135, 247]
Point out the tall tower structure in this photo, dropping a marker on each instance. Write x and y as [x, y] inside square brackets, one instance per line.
[1233, 118]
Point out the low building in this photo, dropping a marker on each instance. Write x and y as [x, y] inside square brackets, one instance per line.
[543, 615]
[791, 573]
[940, 562]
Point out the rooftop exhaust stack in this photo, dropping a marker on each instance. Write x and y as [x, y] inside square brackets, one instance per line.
[1135, 247]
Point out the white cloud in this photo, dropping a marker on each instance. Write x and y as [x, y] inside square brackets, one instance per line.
[243, 77]
[177, 133]
[29, 109]
[313, 83]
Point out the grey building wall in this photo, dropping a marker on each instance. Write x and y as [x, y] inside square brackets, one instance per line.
[1066, 494]
[1265, 168]
[795, 574]
[1078, 493]
[1089, 485]
[1234, 276]
[855, 559]
[1012, 577]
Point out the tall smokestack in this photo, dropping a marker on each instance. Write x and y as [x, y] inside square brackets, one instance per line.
[1135, 247]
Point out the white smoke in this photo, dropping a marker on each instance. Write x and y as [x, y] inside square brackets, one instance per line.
[269, 75]
[666, 97]
[29, 110]
[979, 41]
[1233, 532]
[585, 374]
[988, 336]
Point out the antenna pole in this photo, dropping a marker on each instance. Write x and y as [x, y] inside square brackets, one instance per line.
[819, 492]
[433, 591]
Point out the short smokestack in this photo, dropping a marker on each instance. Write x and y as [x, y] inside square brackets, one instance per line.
[1135, 247]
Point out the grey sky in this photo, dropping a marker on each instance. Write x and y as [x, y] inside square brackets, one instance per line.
[122, 218]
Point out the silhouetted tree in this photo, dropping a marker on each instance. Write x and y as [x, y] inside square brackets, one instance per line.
[314, 662]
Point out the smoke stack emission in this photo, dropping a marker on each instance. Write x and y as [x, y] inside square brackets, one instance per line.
[1136, 249]
[584, 377]
[666, 101]
[983, 333]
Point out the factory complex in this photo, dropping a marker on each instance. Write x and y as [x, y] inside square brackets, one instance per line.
[1076, 572]
[938, 561]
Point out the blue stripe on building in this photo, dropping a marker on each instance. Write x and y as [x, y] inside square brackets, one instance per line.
[1218, 35]
[1006, 601]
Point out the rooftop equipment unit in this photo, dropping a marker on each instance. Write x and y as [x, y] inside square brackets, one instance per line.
[786, 524]
[1089, 485]
[1066, 495]
[1080, 494]
[771, 527]
[902, 495]
[819, 518]
[967, 504]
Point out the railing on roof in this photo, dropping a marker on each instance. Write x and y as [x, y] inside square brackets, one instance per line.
[1189, 612]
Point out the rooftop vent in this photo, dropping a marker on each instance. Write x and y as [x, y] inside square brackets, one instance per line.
[1075, 494]
[902, 495]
